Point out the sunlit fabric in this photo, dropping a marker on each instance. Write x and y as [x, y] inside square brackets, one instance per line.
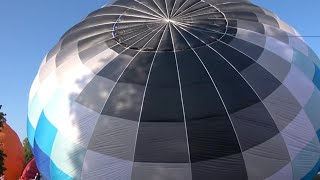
[177, 90]
[12, 147]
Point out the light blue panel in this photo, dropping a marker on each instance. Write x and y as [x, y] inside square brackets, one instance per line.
[58, 104]
[30, 133]
[67, 156]
[303, 63]
[57, 174]
[45, 134]
[34, 110]
[313, 56]
[312, 109]
[307, 159]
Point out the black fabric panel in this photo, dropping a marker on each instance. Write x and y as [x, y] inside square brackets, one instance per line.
[262, 81]
[162, 102]
[235, 92]
[247, 48]
[138, 70]
[236, 58]
[231, 32]
[254, 125]
[226, 168]
[126, 98]
[247, 16]
[210, 131]
[159, 142]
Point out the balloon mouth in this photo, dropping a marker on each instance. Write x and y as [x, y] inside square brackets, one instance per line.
[199, 25]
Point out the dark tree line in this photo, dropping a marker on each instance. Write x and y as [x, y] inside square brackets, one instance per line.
[2, 154]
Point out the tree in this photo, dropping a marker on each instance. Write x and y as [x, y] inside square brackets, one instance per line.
[27, 150]
[2, 154]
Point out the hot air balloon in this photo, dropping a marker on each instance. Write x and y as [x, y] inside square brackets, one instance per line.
[30, 171]
[177, 90]
[12, 147]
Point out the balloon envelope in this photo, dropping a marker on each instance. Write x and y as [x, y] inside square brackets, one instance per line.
[30, 171]
[177, 90]
[13, 148]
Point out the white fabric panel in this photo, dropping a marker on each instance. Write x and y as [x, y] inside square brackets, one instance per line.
[58, 108]
[281, 49]
[80, 124]
[73, 77]
[34, 111]
[33, 90]
[47, 68]
[101, 60]
[299, 85]
[298, 134]
[47, 88]
[97, 166]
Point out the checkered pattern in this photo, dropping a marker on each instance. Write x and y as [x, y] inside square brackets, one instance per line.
[177, 90]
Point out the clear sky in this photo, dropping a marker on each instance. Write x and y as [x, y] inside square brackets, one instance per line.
[29, 29]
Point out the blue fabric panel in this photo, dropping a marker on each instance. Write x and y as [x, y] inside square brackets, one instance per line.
[57, 174]
[316, 77]
[42, 161]
[313, 172]
[45, 134]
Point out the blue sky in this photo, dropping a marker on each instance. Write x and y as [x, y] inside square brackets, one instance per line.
[29, 29]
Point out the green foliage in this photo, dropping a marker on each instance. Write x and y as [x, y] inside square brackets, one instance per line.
[27, 151]
[2, 154]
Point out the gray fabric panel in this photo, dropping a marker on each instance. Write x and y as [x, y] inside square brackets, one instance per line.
[255, 38]
[281, 49]
[98, 166]
[262, 81]
[66, 53]
[161, 142]
[229, 167]
[99, 61]
[276, 33]
[114, 137]
[267, 158]
[253, 125]
[276, 65]
[282, 106]
[95, 94]
[299, 85]
[161, 171]
[284, 173]
[92, 51]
